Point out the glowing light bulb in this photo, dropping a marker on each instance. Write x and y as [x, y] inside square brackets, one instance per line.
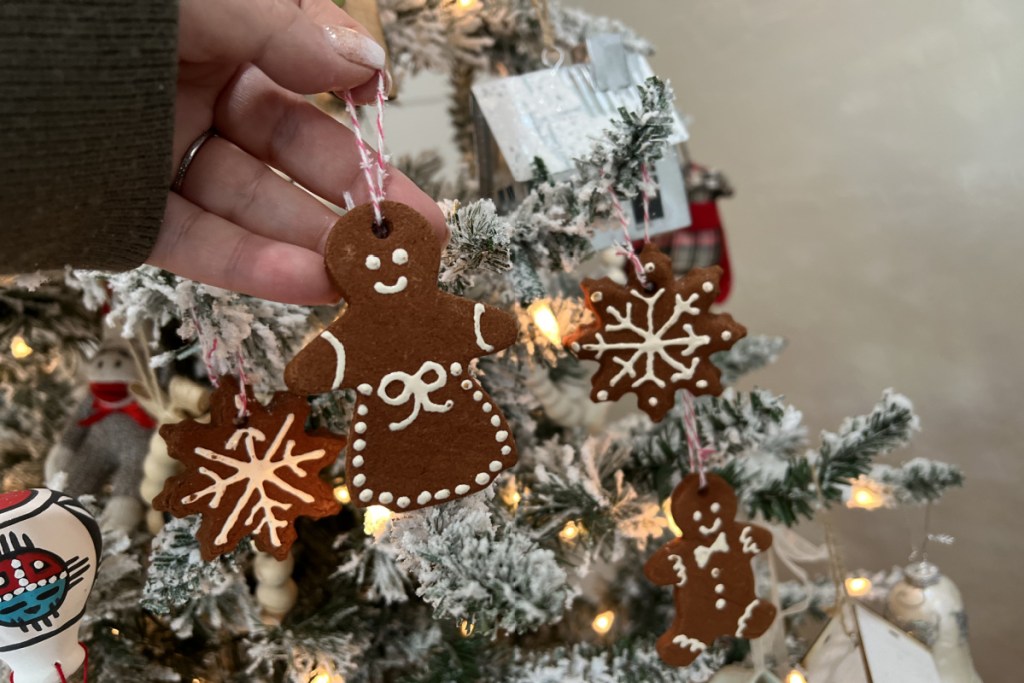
[858, 586]
[466, 628]
[466, 4]
[375, 520]
[115, 632]
[795, 676]
[342, 495]
[545, 320]
[20, 348]
[570, 531]
[320, 677]
[865, 495]
[666, 507]
[603, 622]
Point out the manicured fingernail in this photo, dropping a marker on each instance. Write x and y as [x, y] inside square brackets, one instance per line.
[355, 47]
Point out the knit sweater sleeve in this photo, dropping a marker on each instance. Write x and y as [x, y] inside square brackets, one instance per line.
[86, 119]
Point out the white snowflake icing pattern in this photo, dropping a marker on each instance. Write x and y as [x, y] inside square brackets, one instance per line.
[652, 343]
[255, 473]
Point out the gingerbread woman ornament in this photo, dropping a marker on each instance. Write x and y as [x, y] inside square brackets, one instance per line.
[709, 570]
[424, 430]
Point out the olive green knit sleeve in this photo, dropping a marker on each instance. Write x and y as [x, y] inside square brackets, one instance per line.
[86, 118]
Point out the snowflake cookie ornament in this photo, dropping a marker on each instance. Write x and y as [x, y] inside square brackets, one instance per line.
[254, 476]
[424, 430]
[709, 570]
[654, 342]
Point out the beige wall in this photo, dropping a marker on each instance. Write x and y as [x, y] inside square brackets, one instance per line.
[878, 150]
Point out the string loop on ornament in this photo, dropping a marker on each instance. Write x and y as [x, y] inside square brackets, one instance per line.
[373, 162]
[699, 455]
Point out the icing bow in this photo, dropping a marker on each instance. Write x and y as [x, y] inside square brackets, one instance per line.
[703, 553]
[417, 388]
[112, 397]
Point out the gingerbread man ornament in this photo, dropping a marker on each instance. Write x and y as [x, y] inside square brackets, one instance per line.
[424, 430]
[709, 570]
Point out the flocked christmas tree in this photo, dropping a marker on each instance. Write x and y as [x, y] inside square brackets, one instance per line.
[538, 577]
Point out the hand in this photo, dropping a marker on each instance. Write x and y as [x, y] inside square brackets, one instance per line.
[242, 64]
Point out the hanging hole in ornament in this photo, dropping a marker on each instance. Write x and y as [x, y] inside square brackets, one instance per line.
[552, 58]
[381, 230]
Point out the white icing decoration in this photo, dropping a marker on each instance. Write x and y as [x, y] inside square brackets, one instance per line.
[602, 395]
[358, 445]
[486, 407]
[360, 427]
[716, 507]
[366, 495]
[403, 502]
[707, 286]
[741, 623]
[400, 284]
[359, 479]
[749, 546]
[702, 384]
[442, 494]
[339, 355]
[716, 572]
[362, 409]
[467, 385]
[357, 461]
[494, 466]
[386, 497]
[256, 472]
[423, 498]
[574, 346]
[478, 395]
[505, 450]
[688, 643]
[719, 603]
[596, 297]
[652, 401]
[372, 262]
[416, 388]
[365, 389]
[679, 568]
[697, 516]
[462, 489]
[720, 588]
[649, 268]
[400, 257]
[482, 478]
[651, 343]
[501, 436]
[495, 420]
[703, 553]
[708, 530]
[726, 335]
[455, 369]
[478, 314]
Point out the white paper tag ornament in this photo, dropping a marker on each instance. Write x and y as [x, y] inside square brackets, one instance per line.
[49, 547]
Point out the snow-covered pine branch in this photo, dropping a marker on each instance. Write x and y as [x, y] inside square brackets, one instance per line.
[467, 566]
[917, 481]
[751, 353]
[637, 662]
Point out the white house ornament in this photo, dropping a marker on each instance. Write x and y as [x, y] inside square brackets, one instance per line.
[251, 476]
[709, 570]
[49, 546]
[424, 431]
[654, 342]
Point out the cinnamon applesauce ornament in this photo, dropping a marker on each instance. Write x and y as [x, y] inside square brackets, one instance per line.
[424, 431]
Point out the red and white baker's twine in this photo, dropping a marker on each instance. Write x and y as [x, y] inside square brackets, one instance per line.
[699, 454]
[209, 347]
[627, 249]
[372, 161]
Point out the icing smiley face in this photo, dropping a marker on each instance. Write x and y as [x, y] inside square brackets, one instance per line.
[383, 266]
[715, 507]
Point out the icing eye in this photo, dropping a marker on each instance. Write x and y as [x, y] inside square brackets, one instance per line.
[697, 516]
[649, 268]
[400, 257]
[372, 262]
[715, 507]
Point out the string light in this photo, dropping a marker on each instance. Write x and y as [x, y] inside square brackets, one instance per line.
[603, 622]
[375, 520]
[858, 586]
[466, 4]
[545, 320]
[795, 676]
[324, 676]
[466, 628]
[115, 632]
[510, 494]
[20, 348]
[865, 495]
[570, 531]
[666, 507]
[342, 495]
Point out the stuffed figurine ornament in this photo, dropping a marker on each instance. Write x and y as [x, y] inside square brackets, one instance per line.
[106, 439]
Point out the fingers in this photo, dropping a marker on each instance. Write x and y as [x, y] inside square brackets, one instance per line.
[200, 246]
[230, 183]
[292, 135]
[282, 40]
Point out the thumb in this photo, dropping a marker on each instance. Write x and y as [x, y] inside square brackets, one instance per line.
[281, 40]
